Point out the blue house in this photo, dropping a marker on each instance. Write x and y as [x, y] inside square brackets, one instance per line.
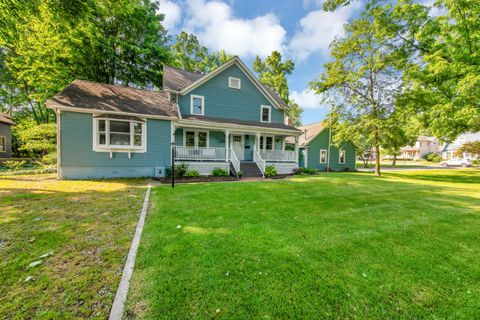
[224, 119]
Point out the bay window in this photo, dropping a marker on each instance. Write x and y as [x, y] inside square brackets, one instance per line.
[119, 134]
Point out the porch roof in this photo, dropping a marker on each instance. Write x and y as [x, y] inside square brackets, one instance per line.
[221, 121]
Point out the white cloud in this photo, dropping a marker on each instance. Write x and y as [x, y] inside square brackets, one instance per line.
[172, 13]
[215, 26]
[306, 98]
[318, 29]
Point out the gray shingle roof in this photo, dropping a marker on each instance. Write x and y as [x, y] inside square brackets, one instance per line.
[310, 131]
[107, 97]
[5, 118]
[240, 122]
[177, 79]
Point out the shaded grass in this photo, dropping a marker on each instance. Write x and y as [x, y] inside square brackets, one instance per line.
[343, 245]
[87, 224]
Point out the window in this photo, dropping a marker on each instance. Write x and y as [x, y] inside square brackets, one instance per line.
[3, 144]
[266, 143]
[195, 138]
[119, 134]
[234, 83]
[197, 105]
[323, 156]
[265, 114]
[341, 156]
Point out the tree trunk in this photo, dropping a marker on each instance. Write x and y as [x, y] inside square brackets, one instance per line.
[377, 160]
[394, 162]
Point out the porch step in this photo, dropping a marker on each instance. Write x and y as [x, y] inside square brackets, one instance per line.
[250, 170]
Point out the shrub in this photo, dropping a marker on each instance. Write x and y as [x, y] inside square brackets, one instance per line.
[50, 158]
[476, 162]
[15, 165]
[219, 172]
[36, 139]
[433, 157]
[192, 174]
[270, 171]
[180, 170]
[240, 173]
[305, 171]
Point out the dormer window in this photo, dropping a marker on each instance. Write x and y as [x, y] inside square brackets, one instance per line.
[234, 83]
[265, 115]
[197, 105]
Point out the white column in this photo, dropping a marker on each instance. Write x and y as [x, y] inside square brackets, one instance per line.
[227, 146]
[296, 150]
[258, 141]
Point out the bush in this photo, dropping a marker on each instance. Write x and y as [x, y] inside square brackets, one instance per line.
[240, 173]
[270, 171]
[14, 165]
[50, 158]
[192, 174]
[476, 162]
[219, 172]
[36, 139]
[180, 170]
[305, 171]
[433, 157]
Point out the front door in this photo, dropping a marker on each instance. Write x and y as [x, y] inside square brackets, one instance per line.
[237, 146]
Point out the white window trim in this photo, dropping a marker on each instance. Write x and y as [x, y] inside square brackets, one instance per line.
[230, 79]
[4, 145]
[191, 104]
[114, 148]
[326, 154]
[265, 143]
[196, 137]
[344, 156]
[269, 113]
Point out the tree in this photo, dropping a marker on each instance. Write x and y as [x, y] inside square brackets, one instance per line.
[294, 113]
[442, 74]
[469, 147]
[364, 80]
[188, 54]
[44, 45]
[36, 139]
[272, 72]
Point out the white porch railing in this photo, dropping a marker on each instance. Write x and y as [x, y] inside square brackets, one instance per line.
[259, 161]
[200, 154]
[278, 155]
[234, 160]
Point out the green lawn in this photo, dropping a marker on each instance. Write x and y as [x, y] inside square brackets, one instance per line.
[83, 227]
[341, 245]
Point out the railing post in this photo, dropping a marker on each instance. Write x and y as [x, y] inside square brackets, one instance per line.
[227, 146]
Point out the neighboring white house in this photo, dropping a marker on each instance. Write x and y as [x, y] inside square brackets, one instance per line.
[449, 149]
[422, 147]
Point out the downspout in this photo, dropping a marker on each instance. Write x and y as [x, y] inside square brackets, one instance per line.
[59, 153]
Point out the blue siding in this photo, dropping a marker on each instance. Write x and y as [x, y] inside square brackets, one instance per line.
[224, 102]
[321, 142]
[77, 149]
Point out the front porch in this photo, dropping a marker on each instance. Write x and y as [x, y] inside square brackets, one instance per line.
[206, 149]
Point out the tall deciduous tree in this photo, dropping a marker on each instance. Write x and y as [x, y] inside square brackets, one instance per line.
[363, 80]
[46, 44]
[188, 54]
[272, 72]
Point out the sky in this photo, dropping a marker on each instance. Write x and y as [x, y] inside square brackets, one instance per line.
[299, 29]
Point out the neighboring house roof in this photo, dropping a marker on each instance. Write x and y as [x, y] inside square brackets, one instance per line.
[280, 126]
[310, 131]
[181, 80]
[5, 118]
[81, 94]
[462, 139]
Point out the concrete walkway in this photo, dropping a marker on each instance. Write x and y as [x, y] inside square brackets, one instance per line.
[118, 306]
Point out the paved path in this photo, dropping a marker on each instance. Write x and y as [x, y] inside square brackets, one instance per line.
[118, 306]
